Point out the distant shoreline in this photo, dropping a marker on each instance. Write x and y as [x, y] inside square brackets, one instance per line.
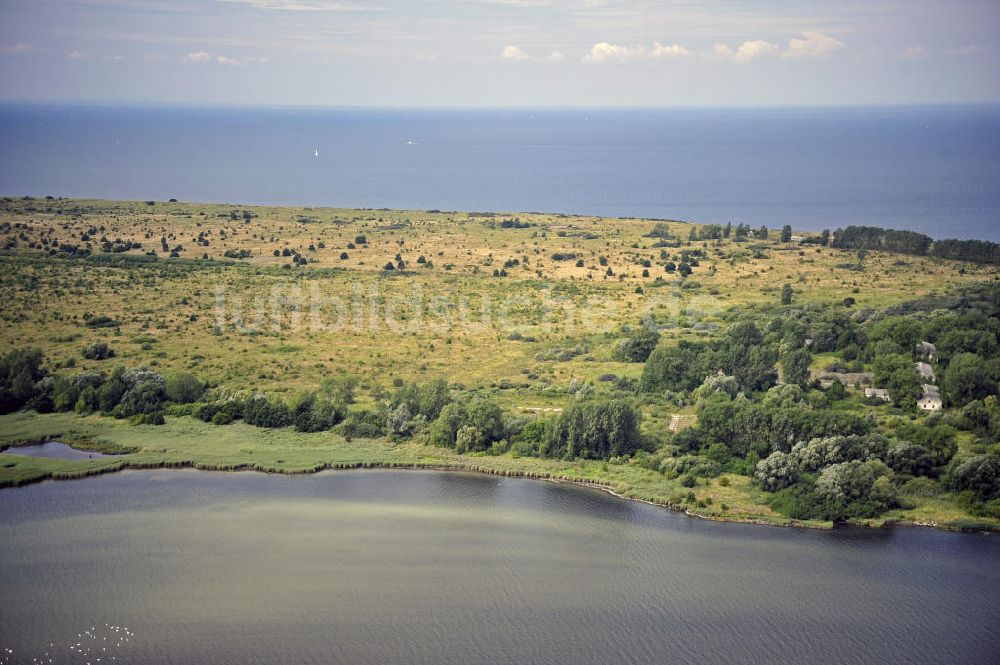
[328, 207]
[927, 168]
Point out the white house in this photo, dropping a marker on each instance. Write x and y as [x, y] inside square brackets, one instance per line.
[925, 351]
[880, 393]
[926, 372]
[931, 400]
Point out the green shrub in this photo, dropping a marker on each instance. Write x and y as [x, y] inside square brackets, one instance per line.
[184, 388]
[221, 418]
[978, 474]
[921, 487]
[20, 371]
[261, 411]
[65, 394]
[98, 351]
[468, 427]
[636, 347]
[423, 399]
[361, 424]
[102, 322]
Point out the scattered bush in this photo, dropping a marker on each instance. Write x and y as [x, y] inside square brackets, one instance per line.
[637, 346]
[98, 351]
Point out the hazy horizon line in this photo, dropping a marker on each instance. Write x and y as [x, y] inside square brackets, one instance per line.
[147, 103]
[413, 209]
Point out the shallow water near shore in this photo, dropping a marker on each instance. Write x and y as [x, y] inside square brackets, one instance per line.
[53, 450]
[421, 566]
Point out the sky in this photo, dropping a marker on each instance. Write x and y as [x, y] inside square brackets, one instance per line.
[468, 53]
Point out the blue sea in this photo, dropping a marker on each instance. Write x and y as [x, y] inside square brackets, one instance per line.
[930, 169]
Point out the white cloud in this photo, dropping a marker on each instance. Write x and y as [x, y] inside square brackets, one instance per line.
[203, 57]
[752, 50]
[914, 53]
[812, 45]
[513, 53]
[76, 55]
[605, 52]
[660, 51]
[745, 52]
[515, 3]
[303, 5]
[18, 49]
[721, 52]
[198, 56]
[968, 49]
[556, 56]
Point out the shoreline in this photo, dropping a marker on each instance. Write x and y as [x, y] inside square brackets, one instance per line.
[127, 465]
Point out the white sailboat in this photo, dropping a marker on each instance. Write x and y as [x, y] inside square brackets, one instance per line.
[316, 153]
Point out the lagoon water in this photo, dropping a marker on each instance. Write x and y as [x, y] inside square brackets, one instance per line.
[430, 567]
[53, 450]
[929, 169]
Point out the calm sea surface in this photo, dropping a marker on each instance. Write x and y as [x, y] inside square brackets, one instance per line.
[930, 169]
[423, 567]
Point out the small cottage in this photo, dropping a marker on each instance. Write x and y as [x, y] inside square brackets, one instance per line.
[931, 399]
[926, 372]
[925, 351]
[847, 379]
[880, 393]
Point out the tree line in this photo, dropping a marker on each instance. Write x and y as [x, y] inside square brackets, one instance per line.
[594, 428]
[917, 244]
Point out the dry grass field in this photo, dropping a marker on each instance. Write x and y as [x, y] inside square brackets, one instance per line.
[277, 325]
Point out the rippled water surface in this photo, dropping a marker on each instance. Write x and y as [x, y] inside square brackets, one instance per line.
[409, 567]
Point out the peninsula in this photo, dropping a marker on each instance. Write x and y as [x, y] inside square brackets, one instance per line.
[745, 374]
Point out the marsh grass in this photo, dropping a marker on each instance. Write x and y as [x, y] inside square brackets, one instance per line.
[188, 443]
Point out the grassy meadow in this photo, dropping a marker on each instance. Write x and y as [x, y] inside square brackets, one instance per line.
[291, 337]
[516, 307]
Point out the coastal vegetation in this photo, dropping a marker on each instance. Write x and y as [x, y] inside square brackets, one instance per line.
[737, 373]
[918, 244]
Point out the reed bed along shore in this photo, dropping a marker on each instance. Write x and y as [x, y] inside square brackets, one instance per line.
[187, 443]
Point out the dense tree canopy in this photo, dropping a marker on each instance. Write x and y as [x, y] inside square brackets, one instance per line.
[596, 430]
[966, 379]
[889, 240]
